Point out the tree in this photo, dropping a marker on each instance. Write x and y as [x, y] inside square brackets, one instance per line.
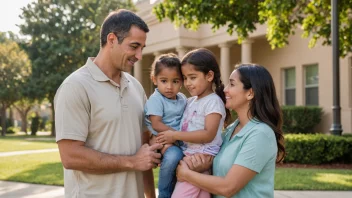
[14, 67]
[282, 18]
[63, 34]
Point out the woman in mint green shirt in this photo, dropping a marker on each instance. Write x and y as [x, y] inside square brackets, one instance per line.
[245, 165]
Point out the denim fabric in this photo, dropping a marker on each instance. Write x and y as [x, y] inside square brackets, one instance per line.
[167, 173]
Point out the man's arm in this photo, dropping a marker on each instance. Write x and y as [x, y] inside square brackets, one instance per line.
[76, 156]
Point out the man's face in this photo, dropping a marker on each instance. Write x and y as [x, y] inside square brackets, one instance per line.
[124, 55]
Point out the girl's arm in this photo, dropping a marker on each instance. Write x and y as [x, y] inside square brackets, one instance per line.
[237, 177]
[212, 122]
[157, 124]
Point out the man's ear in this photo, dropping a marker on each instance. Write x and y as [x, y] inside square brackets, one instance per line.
[250, 94]
[210, 76]
[110, 39]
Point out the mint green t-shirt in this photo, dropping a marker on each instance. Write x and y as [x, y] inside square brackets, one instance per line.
[255, 148]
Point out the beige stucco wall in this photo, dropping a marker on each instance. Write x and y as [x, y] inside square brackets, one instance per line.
[163, 37]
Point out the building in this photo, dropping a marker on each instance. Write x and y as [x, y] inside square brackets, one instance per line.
[302, 76]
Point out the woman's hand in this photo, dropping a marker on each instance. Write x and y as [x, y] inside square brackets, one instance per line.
[165, 137]
[199, 162]
[181, 171]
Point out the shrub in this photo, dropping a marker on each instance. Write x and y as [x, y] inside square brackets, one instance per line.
[300, 119]
[318, 149]
[12, 130]
[35, 125]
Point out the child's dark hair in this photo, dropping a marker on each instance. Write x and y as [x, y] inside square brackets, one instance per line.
[204, 61]
[169, 60]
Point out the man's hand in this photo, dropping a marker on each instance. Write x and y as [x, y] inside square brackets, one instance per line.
[199, 162]
[165, 137]
[146, 158]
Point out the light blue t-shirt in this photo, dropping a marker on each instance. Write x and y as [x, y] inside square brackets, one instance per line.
[169, 110]
[255, 148]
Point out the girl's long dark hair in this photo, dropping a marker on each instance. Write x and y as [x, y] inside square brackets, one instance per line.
[264, 106]
[204, 61]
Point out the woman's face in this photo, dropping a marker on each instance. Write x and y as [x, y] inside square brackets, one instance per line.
[236, 97]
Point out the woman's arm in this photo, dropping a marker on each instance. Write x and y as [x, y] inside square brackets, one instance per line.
[237, 177]
[212, 122]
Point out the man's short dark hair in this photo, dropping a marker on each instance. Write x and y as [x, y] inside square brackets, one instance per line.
[119, 23]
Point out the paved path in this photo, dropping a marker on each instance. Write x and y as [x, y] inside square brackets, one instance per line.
[4, 154]
[23, 190]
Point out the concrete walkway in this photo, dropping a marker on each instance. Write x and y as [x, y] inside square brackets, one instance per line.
[4, 154]
[23, 190]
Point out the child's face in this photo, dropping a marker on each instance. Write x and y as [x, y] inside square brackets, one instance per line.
[197, 83]
[168, 81]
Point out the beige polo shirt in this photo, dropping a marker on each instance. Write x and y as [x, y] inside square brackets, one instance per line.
[108, 117]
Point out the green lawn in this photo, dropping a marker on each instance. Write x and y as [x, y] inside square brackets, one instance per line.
[46, 168]
[313, 179]
[26, 142]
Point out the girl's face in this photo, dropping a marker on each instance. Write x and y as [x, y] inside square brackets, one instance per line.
[168, 82]
[237, 98]
[197, 83]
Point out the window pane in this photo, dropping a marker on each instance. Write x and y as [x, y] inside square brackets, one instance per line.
[312, 96]
[290, 78]
[312, 75]
[290, 97]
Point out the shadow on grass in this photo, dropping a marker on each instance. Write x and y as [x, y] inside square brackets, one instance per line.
[49, 174]
[312, 179]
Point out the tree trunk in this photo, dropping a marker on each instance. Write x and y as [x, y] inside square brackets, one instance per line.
[53, 118]
[3, 119]
[24, 121]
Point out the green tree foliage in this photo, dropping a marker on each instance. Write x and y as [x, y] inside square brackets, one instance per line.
[282, 17]
[64, 33]
[15, 68]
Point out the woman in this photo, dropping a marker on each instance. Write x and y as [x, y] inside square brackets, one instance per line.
[245, 165]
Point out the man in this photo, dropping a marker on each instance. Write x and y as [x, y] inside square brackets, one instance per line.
[99, 118]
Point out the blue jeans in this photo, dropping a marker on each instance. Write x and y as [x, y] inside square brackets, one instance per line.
[167, 173]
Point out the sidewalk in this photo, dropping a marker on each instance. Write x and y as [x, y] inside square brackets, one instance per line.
[23, 190]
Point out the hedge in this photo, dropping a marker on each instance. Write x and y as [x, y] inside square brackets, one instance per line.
[318, 149]
[300, 119]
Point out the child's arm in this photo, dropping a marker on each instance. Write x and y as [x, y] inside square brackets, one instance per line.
[212, 122]
[158, 125]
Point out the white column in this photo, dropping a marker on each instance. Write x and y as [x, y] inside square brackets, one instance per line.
[225, 67]
[137, 70]
[181, 51]
[246, 51]
[156, 54]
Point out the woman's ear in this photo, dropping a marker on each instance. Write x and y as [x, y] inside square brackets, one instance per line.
[250, 94]
[210, 76]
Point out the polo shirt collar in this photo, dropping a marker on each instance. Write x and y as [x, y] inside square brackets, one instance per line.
[99, 75]
[95, 71]
[250, 124]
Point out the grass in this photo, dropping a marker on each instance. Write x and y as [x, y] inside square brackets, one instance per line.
[46, 168]
[26, 142]
[313, 179]
[42, 168]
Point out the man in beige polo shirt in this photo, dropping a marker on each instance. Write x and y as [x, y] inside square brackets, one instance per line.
[99, 118]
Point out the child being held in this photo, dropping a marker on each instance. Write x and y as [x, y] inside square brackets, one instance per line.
[163, 112]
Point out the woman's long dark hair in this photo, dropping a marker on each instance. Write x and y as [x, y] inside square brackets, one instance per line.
[264, 106]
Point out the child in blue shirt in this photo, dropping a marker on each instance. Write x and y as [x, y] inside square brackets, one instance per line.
[163, 111]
